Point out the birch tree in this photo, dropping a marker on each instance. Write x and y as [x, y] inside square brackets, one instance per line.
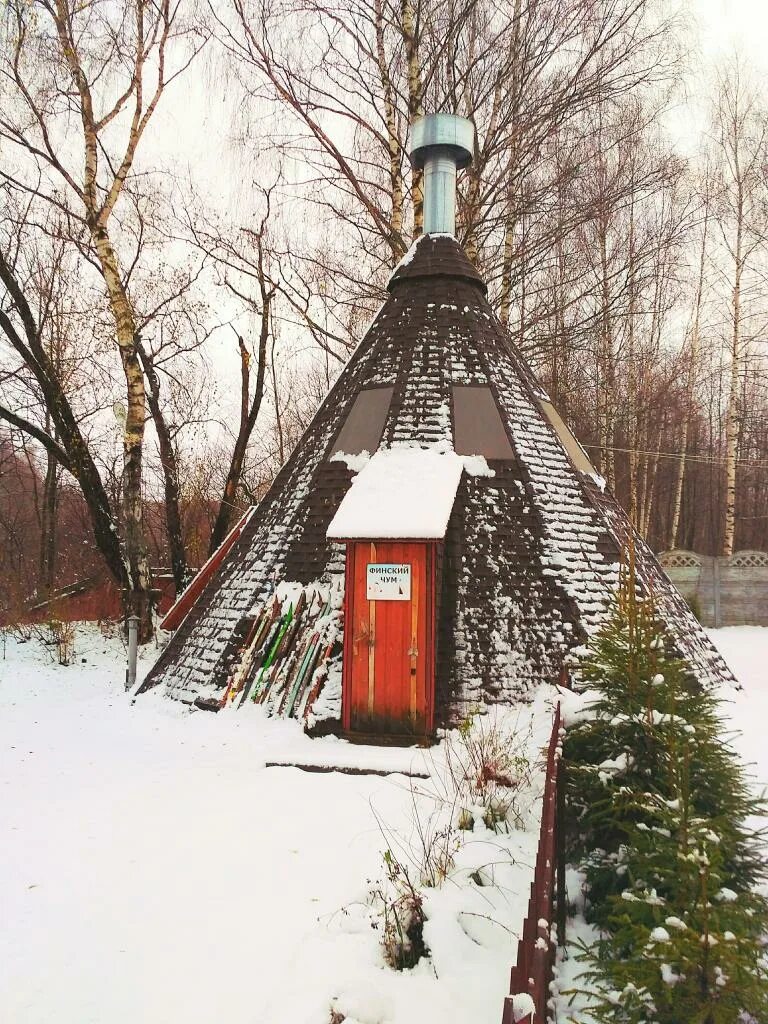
[693, 357]
[81, 83]
[741, 138]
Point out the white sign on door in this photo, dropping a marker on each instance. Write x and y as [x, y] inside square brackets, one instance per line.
[388, 582]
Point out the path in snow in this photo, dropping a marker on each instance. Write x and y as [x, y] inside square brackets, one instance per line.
[152, 870]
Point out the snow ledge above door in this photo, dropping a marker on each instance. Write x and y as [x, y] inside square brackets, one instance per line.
[400, 493]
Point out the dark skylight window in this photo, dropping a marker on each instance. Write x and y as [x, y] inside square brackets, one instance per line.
[364, 424]
[478, 429]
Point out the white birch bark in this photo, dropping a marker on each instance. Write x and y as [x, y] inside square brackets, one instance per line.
[394, 147]
[693, 363]
[408, 28]
[99, 200]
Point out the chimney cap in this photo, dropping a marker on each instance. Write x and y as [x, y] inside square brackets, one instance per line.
[446, 131]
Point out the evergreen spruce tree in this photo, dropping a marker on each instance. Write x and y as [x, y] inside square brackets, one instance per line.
[658, 805]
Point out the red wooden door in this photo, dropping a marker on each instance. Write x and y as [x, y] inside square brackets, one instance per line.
[389, 640]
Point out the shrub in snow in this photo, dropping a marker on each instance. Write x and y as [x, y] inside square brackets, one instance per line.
[466, 820]
[489, 771]
[413, 865]
[63, 638]
[484, 783]
[401, 910]
[658, 804]
[56, 636]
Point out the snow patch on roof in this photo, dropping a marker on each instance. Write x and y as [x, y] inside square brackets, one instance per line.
[408, 258]
[401, 492]
[353, 462]
[413, 249]
[476, 465]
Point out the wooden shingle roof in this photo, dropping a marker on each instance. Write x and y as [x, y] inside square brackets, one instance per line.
[436, 256]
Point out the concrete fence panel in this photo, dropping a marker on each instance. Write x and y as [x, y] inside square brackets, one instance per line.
[725, 591]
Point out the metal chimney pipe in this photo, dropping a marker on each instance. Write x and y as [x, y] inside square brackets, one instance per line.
[441, 144]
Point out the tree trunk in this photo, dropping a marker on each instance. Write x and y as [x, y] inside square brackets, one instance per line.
[469, 213]
[677, 503]
[733, 415]
[47, 567]
[393, 141]
[510, 217]
[605, 367]
[71, 450]
[472, 211]
[649, 487]
[170, 471]
[731, 441]
[277, 403]
[505, 299]
[634, 403]
[138, 598]
[248, 418]
[409, 30]
[691, 387]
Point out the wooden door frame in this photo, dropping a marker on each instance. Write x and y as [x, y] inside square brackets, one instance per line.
[431, 654]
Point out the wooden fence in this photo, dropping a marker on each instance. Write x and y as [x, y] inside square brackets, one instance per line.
[92, 599]
[531, 976]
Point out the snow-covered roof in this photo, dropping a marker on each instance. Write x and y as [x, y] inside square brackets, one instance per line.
[400, 493]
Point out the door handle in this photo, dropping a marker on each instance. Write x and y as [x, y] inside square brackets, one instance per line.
[364, 635]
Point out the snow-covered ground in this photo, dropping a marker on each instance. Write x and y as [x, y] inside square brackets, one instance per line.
[153, 869]
[745, 648]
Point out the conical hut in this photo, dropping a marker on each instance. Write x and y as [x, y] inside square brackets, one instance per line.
[438, 539]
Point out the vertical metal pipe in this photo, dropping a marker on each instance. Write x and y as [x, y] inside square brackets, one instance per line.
[439, 194]
[133, 651]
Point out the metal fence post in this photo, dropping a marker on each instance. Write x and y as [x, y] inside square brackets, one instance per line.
[560, 888]
[133, 651]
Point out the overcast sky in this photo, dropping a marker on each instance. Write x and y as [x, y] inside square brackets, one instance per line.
[195, 135]
[197, 131]
[725, 23]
